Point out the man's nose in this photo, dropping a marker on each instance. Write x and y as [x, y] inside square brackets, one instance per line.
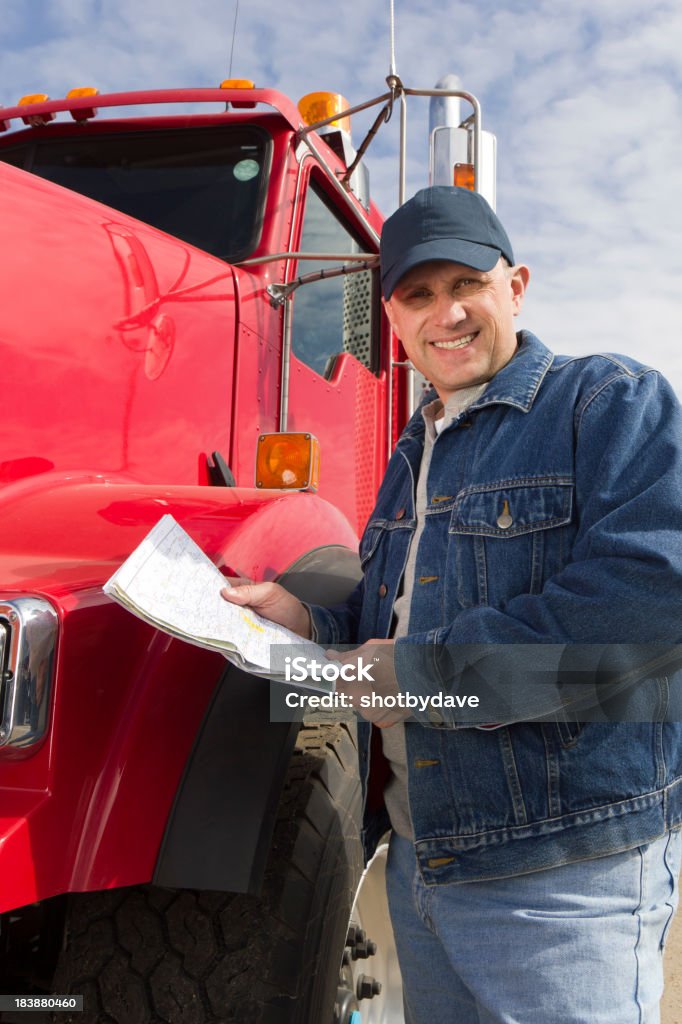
[449, 310]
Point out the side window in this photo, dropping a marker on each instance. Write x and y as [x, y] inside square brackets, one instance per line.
[336, 315]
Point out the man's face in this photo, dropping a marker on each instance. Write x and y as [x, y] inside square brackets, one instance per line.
[457, 324]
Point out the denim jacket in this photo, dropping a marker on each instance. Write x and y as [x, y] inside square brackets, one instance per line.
[553, 518]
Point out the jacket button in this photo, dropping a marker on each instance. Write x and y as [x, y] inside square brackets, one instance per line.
[383, 590]
[439, 862]
[504, 520]
[400, 513]
[435, 718]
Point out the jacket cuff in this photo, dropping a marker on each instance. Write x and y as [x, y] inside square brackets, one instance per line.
[324, 627]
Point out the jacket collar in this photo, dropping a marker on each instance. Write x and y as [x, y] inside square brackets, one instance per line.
[517, 383]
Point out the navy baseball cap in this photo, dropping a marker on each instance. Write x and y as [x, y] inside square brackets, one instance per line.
[441, 223]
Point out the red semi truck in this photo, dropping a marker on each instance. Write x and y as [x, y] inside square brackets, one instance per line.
[181, 290]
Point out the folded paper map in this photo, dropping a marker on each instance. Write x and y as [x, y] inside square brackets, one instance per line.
[170, 583]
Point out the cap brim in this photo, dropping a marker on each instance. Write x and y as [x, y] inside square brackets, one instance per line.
[454, 250]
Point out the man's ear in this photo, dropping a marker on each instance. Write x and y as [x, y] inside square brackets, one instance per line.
[519, 276]
[388, 310]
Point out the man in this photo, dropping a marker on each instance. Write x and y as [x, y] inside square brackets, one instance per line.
[526, 548]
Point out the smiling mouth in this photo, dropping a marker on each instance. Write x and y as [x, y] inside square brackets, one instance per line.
[456, 342]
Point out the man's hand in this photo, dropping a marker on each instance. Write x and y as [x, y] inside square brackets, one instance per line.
[378, 655]
[271, 601]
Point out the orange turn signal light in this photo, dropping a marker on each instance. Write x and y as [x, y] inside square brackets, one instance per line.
[83, 113]
[35, 120]
[33, 97]
[464, 176]
[238, 83]
[318, 106]
[288, 461]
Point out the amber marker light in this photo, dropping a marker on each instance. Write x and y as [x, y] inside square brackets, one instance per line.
[464, 176]
[238, 83]
[35, 120]
[83, 113]
[318, 106]
[288, 461]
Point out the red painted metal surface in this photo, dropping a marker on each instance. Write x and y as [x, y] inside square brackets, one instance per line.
[127, 358]
[269, 97]
[88, 809]
[108, 320]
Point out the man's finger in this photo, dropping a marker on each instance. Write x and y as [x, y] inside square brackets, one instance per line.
[238, 581]
[256, 594]
[231, 594]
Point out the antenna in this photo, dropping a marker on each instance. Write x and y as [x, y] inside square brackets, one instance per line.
[234, 33]
[392, 71]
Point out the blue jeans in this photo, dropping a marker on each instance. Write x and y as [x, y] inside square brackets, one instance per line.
[577, 944]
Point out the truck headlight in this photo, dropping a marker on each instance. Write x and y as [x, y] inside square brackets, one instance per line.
[28, 638]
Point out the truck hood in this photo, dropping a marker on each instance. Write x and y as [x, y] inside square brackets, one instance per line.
[117, 342]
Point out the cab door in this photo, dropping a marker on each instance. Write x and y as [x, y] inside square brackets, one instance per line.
[338, 381]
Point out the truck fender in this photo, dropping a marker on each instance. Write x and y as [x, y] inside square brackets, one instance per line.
[220, 827]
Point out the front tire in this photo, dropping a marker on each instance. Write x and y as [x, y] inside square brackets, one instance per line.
[146, 955]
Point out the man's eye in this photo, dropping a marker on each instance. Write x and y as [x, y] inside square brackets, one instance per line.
[468, 286]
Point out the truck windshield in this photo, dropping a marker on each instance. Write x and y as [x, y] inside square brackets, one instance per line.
[204, 185]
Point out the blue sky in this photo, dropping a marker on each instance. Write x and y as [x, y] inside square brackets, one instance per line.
[584, 96]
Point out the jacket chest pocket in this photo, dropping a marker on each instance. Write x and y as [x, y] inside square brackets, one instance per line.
[508, 538]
